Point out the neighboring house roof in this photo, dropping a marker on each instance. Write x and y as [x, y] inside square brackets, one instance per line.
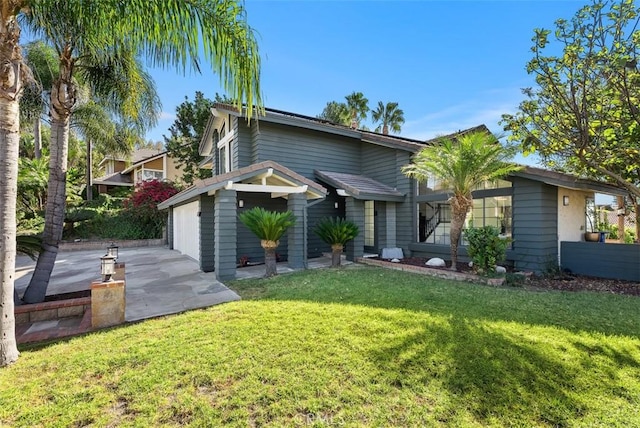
[268, 177]
[115, 179]
[568, 181]
[360, 187]
[113, 158]
[142, 156]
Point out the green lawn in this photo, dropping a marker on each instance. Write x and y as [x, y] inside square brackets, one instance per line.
[358, 346]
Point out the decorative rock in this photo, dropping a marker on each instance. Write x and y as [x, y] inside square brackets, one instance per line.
[395, 260]
[392, 253]
[470, 264]
[436, 262]
[501, 269]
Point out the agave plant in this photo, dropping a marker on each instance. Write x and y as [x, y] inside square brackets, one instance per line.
[336, 232]
[269, 226]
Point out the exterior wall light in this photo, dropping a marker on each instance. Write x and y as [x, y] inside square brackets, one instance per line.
[241, 203]
[565, 200]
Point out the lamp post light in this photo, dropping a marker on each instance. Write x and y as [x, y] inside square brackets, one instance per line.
[112, 250]
[107, 267]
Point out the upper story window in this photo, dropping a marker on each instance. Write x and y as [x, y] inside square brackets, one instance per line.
[109, 168]
[433, 186]
[223, 139]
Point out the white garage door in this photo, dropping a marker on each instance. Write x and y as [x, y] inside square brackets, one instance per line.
[186, 229]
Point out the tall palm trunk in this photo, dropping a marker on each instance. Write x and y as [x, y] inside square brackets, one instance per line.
[89, 177]
[62, 100]
[10, 88]
[460, 206]
[37, 138]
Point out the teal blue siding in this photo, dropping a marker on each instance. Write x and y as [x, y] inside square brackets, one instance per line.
[242, 146]
[602, 260]
[405, 211]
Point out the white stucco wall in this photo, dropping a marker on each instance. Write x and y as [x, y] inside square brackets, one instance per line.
[571, 218]
[186, 229]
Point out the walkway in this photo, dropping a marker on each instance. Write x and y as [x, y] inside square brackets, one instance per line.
[159, 282]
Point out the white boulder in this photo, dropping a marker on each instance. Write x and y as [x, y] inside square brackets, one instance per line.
[436, 262]
[501, 269]
[392, 253]
[395, 260]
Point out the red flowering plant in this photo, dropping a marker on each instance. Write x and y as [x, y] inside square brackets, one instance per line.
[142, 205]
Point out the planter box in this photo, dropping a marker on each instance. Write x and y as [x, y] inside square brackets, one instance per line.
[55, 310]
[440, 273]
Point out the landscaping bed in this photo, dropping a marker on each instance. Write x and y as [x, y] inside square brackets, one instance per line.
[558, 281]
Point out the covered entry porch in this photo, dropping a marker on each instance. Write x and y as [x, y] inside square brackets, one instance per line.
[203, 220]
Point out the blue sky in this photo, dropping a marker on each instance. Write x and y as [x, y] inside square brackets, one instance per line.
[450, 65]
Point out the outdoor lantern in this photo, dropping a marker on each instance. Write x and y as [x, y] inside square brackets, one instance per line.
[112, 250]
[565, 200]
[107, 267]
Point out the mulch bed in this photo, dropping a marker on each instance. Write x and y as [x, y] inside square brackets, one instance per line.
[564, 282]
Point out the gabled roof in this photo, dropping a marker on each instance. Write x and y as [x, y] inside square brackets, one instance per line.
[266, 177]
[360, 186]
[567, 181]
[142, 156]
[306, 122]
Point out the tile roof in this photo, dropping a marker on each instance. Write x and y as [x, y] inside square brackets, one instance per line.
[360, 186]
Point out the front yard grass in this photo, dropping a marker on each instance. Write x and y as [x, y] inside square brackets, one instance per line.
[357, 346]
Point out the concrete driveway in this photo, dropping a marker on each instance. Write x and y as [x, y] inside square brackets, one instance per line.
[159, 281]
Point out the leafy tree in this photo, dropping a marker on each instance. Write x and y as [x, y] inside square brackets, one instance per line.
[583, 115]
[461, 165]
[336, 232]
[167, 33]
[143, 204]
[337, 113]
[186, 133]
[388, 116]
[269, 226]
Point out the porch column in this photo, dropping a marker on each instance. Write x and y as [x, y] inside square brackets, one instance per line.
[297, 240]
[207, 233]
[225, 234]
[354, 210]
[391, 224]
[169, 229]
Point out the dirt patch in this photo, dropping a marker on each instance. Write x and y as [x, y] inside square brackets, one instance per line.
[564, 282]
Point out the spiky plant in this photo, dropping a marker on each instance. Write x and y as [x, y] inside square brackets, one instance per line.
[269, 226]
[28, 244]
[336, 232]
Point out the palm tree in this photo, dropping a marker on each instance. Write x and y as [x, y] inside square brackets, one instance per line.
[358, 106]
[134, 100]
[461, 165]
[269, 226]
[390, 115]
[336, 232]
[167, 33]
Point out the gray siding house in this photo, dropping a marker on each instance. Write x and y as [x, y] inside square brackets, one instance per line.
[318, 169]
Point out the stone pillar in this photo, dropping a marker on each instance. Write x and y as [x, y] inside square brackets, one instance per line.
[107, 303]
[297, 241]
[225, 234]
[207, 233]
[354, 211]
[390, 224]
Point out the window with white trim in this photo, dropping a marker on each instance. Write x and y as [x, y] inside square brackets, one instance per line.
[223, 147]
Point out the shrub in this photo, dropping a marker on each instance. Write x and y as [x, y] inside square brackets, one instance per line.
[336, 231]
[267, 225]
[142, 205]
[486, 248]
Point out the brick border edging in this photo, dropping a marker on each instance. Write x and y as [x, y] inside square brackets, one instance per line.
[53, 310]
[459, 276]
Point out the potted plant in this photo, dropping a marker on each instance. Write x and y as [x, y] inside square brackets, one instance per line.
[336, 232]
[269, 226]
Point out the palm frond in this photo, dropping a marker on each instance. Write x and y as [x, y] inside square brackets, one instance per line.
[267, 225]
[336, 231]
